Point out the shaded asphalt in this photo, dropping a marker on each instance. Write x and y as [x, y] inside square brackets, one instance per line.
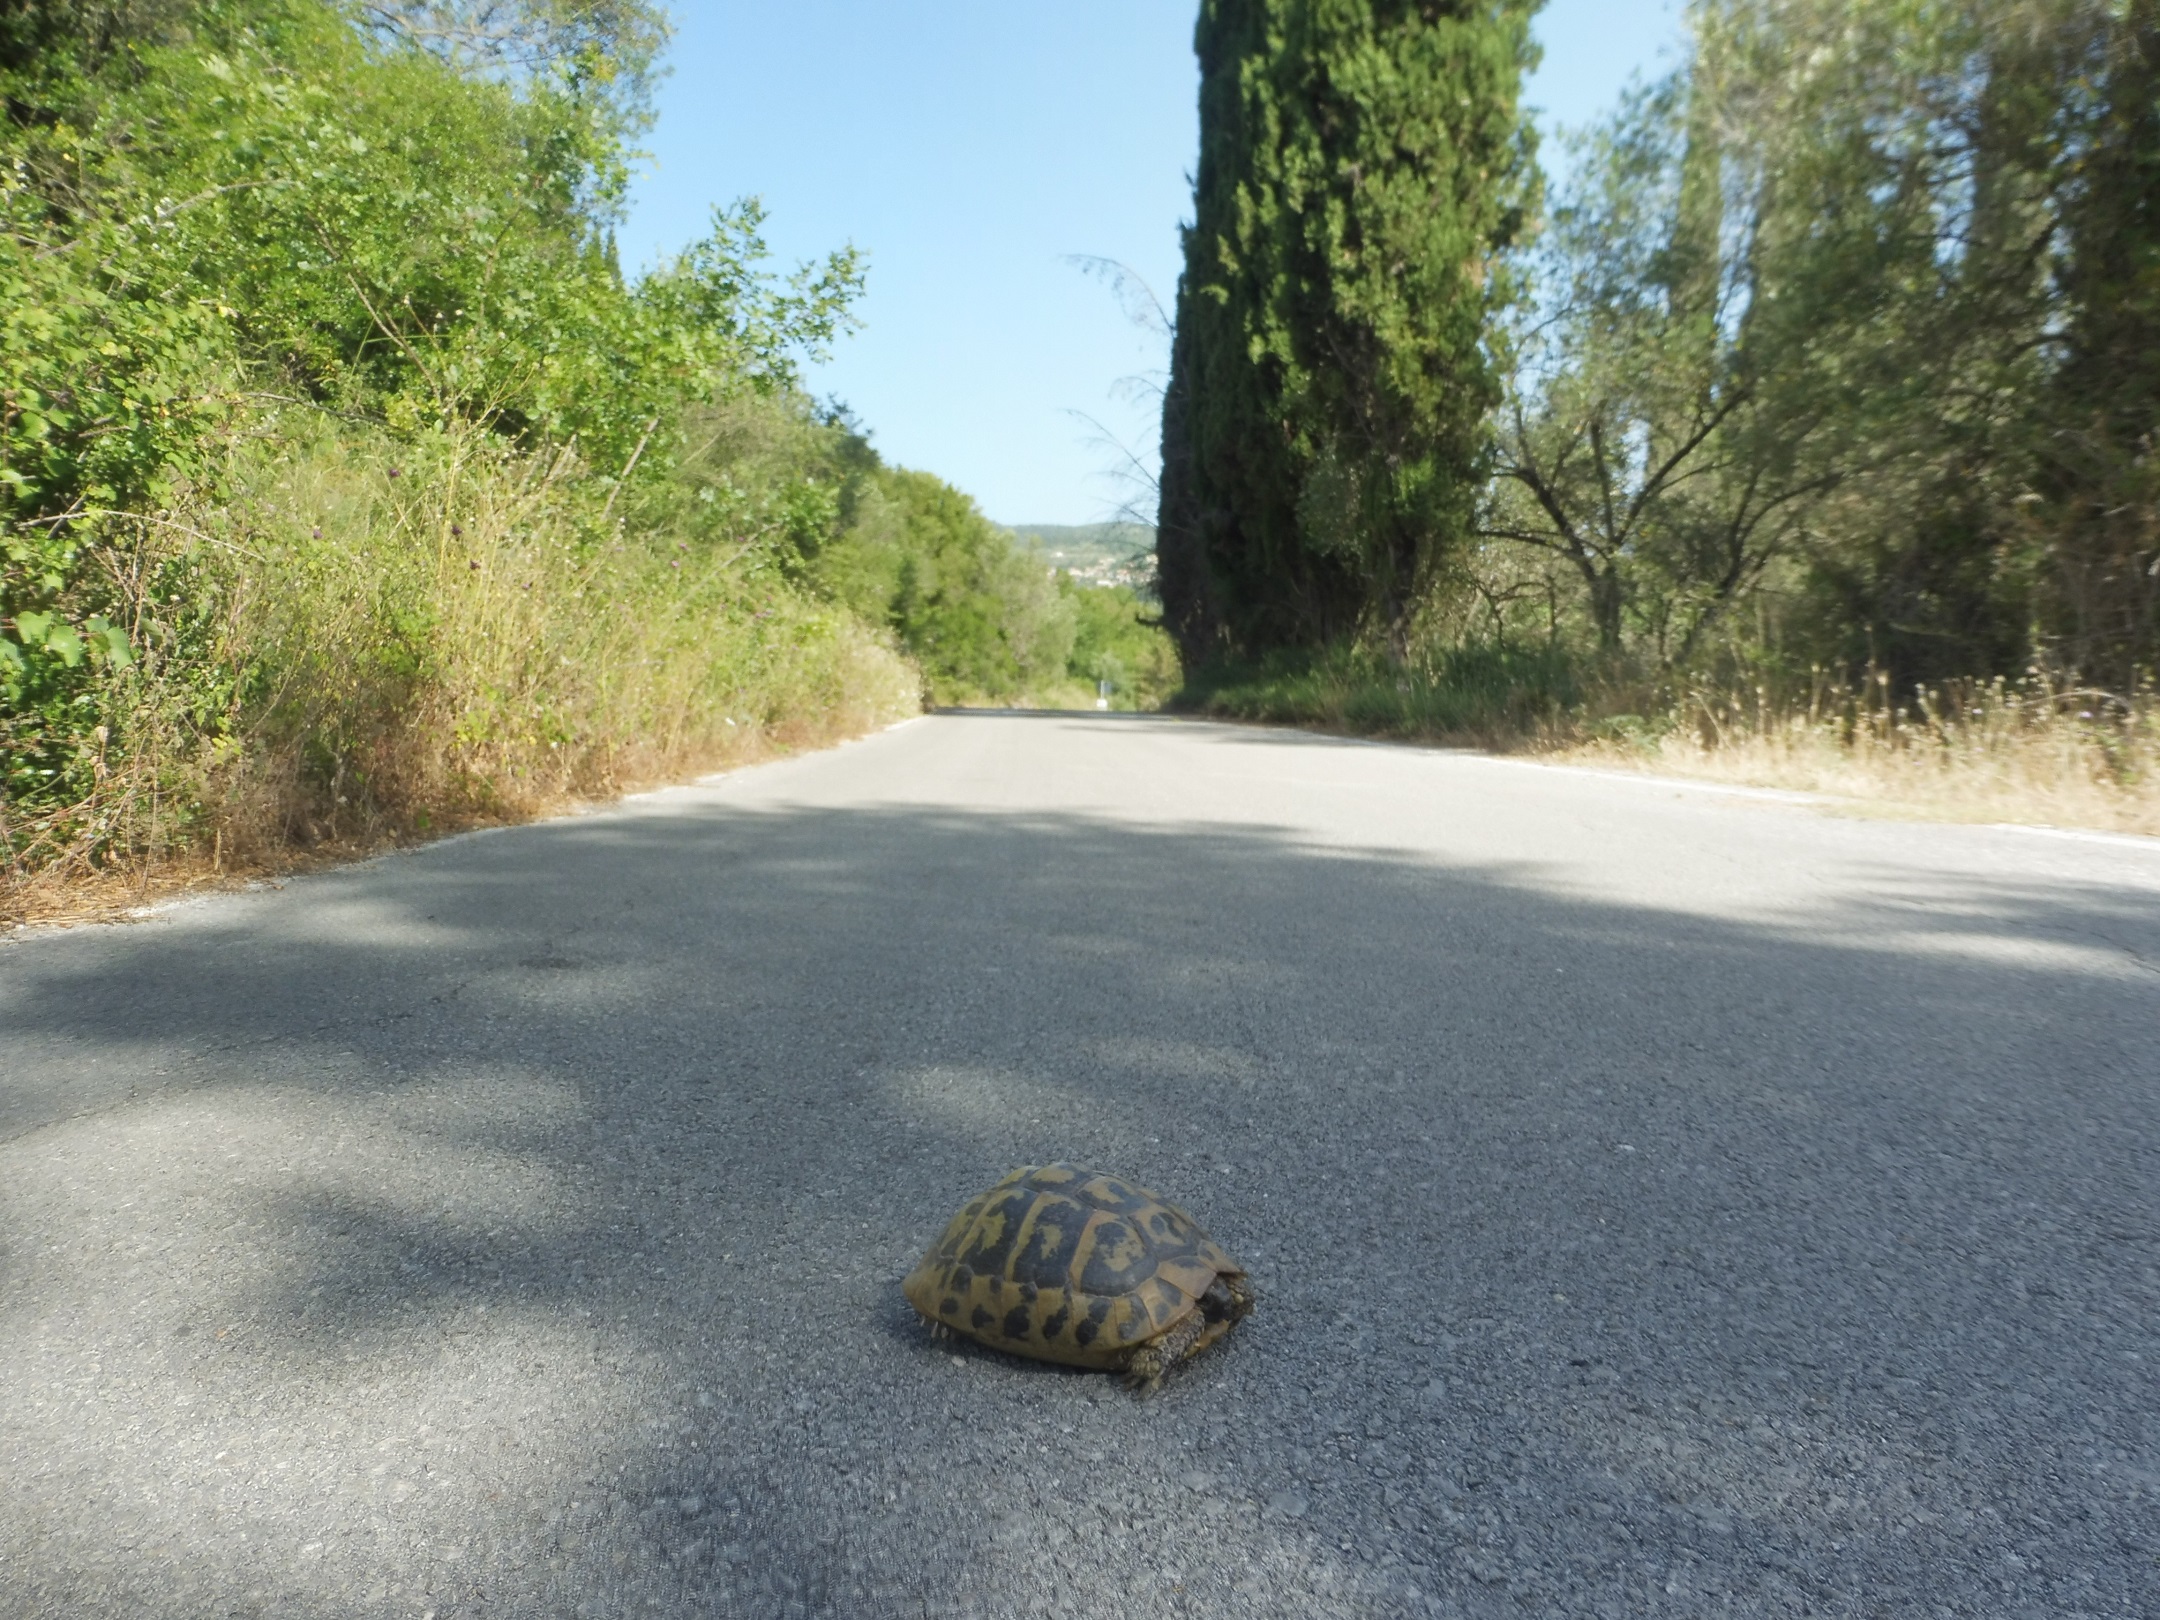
[1662, 1203]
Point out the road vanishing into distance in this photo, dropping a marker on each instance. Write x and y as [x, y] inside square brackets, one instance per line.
[1663, 1202]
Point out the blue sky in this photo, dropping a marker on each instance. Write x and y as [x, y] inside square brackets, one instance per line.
[969, 148]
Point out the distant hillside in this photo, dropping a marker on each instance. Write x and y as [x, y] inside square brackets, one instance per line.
[1097, 553]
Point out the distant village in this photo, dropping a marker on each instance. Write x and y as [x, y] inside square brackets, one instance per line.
[1096, 553]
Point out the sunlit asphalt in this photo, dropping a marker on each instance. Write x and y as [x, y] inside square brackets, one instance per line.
[1662, 1202]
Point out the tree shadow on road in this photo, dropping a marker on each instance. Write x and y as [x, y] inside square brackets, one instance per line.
[522, 1221]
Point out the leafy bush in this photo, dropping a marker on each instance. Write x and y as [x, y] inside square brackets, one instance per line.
[343, 477]
[983, 616]
[1471, 692]
[1118, 639]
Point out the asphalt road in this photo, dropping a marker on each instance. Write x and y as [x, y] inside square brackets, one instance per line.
[1662, 1202]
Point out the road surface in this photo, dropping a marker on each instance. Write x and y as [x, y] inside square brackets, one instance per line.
[1663, 1202]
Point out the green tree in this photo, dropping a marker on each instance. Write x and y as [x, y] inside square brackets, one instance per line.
[397, 217]
[982, 615]
[1796, 321]
[1116, 638]
[1364, 170]
[2099, 469]
[1665, 439]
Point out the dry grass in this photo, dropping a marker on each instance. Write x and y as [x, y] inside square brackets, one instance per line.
[339, 657]
[2042, 752]
[129, 888]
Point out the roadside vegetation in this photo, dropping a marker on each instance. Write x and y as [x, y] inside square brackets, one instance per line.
[1802, 431]
[1815, 403]
[988, 617]
[349, 490]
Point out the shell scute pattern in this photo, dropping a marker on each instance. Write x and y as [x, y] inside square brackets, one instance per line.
[1071, 1265]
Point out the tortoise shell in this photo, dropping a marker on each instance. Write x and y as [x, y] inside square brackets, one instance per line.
[1075, 1266]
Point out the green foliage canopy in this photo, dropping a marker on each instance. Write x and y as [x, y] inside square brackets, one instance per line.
[983, 615]
[1845, 351]
[1364, 170]
[400, 216]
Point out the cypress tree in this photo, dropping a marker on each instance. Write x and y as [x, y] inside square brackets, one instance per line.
[1363, 165]
[2101, 466]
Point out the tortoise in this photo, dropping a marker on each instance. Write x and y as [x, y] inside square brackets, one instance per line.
[1075, 1266]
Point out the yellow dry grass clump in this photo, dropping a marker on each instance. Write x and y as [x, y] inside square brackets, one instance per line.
[2041, 752]
[352, 647]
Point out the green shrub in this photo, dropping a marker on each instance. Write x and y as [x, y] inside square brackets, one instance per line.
[1470, 692]
[344, 481]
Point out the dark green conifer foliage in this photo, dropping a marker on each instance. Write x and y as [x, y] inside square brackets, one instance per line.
[2101, 465]
[1363, 164]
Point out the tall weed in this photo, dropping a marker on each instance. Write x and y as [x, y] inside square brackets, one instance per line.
[1472, 693]
[363, 638]
[2044, 749]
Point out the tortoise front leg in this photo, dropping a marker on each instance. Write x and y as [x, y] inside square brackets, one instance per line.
[1144, 1369]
